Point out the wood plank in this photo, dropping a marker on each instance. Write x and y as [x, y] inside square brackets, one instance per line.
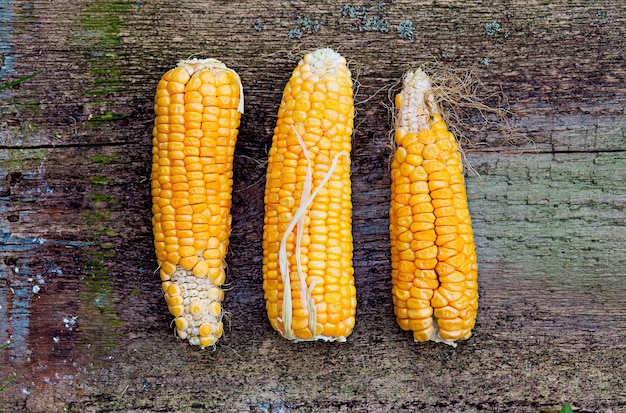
[78, 296]
[551, 272]
[551, 62]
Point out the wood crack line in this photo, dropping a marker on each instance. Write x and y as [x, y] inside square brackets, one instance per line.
[69, 145]
[542, 152]
[466, 152]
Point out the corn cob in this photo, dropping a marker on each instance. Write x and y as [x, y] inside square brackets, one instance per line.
[433, 257]
[198, 105]
[308, 276]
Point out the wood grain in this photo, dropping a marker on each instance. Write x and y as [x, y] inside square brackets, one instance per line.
[83, 308]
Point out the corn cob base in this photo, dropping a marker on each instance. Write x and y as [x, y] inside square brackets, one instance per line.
[307, 239]
[198, 106]
[434, 271]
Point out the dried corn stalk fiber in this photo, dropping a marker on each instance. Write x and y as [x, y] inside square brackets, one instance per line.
[433, 257]
[308, 276]
[197, 106]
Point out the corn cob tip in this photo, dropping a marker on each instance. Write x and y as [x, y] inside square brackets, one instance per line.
[194, 65]
[320, 62]
[416, 102]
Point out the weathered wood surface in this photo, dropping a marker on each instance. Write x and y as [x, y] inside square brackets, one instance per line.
[83, 309]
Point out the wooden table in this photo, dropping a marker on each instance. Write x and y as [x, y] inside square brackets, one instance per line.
[80, 302]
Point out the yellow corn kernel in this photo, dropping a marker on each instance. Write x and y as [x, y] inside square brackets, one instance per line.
[436, 295]
[307, 265]
[192, 101]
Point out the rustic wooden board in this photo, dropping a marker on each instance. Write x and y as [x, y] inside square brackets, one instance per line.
[83, 310]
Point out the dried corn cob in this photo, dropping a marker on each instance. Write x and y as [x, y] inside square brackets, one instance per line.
[307, 239]
[433, 257]
[197, 106]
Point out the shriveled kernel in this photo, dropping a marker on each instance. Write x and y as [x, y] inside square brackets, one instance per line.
[431, 166]
[220, 329]
[414, 160]
[438, 299]
[426, 136]
[421, 293]
[426, 283]
[446, 312]
[450, 325]
[402, 295]
[419, 312]
[431, 151]
[164, 276]
[173, 290]
[187, 251]
[174, 300]
[434, 185]
[419, 324]
[423, 335]
[217, 275]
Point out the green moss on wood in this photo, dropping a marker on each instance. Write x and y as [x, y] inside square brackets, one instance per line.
[105, 90]
[99, 181]
[101, 23]
[4, 383]
[101, 198]
[21, 159]
[106, 231]
[108, 116]
[106, 81]
[104, 159]
[95, 217]
[554, 216]
[99, 330]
